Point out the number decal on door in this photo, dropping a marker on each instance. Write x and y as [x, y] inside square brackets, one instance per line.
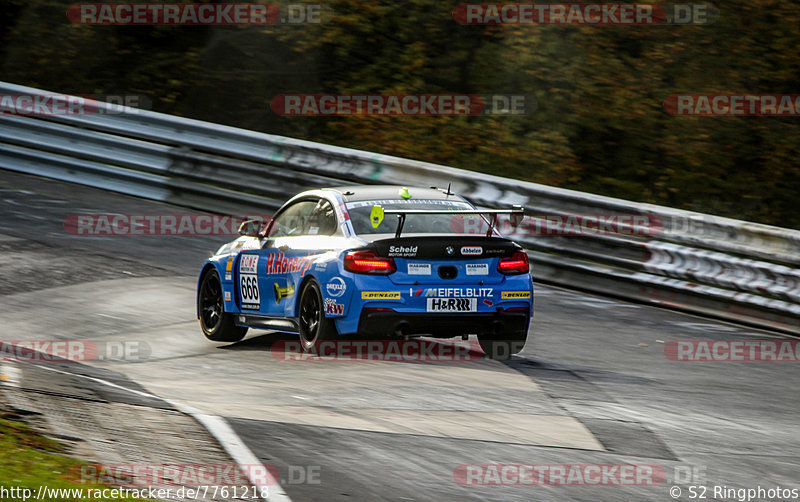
[248, 282]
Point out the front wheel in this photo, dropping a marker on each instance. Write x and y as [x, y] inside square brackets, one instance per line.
[502, 346]
[218, 326]
[315, 328]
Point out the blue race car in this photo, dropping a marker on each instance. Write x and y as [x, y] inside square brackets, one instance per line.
[371, 261]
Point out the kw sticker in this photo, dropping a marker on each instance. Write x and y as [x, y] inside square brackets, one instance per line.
[332, 308]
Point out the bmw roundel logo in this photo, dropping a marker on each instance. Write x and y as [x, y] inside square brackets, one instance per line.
[450, 250]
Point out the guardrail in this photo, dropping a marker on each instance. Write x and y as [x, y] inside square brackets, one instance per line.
[730, 269]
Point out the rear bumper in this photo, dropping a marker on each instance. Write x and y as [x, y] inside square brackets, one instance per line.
[382, 323]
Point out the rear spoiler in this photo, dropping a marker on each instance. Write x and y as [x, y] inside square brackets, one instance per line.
[377, 214]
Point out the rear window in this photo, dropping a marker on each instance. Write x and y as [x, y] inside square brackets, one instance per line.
[456, 224]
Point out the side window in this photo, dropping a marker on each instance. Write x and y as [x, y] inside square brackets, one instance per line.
[322, 220]
[292, 221]
[305, 217]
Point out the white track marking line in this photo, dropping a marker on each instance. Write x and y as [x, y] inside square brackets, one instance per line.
[218, 428]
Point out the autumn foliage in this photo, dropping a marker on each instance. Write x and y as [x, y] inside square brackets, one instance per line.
[599, 123]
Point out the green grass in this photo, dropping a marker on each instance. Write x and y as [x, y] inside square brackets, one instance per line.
[29, 460]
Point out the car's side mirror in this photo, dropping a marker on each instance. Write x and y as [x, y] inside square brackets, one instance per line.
[266, 229]
[250, 228]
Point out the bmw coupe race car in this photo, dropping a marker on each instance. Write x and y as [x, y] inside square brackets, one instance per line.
[372, 261]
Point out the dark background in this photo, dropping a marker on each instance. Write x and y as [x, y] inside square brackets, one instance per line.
[599, 125]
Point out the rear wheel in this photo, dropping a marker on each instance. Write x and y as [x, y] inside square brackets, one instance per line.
[502, 346]
[217, 325]
[315, 328]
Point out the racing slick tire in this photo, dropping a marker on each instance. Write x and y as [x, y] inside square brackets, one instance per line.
[502, 346]
[314, 327]
[218, 326]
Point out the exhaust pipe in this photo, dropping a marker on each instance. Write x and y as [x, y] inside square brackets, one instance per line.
[401, 328]
[498, 327]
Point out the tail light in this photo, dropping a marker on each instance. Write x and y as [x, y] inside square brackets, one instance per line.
[364, 262]
[515, 264]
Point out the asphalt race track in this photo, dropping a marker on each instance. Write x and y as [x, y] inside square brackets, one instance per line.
[593, 385]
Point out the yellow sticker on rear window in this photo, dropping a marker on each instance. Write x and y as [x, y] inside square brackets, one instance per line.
[376, 216]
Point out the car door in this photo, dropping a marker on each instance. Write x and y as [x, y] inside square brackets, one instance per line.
[297, 234]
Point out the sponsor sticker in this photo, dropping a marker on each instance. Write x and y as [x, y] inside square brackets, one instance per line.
[380, 295]
[332, 308]
[401, 251]
[249, 264]
[281, 293]
[400, 202]
[229, 265]
[471, 250]
[452, 305]
[248, 282]
[336, 287]
[511, 295]
[477, 269]
[279, 263]
[452, 292]
[419, 269]
[227, 296]
[228, 277]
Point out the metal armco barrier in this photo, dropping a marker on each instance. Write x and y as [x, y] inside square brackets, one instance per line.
[729, 269]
